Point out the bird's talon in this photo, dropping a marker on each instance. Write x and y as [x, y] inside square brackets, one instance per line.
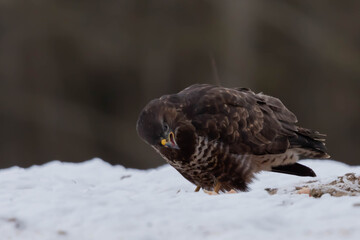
[210, 192]
[231, 191]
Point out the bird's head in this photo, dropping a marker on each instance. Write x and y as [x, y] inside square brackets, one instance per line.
[158, 124]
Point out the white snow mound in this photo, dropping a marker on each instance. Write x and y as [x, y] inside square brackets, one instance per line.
[94, 200]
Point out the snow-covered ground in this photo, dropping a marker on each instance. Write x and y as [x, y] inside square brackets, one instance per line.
[94, 200]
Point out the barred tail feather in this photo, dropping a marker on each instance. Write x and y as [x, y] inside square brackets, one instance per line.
[309, 144]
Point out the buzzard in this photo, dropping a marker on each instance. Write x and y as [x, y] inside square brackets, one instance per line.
[218, 138]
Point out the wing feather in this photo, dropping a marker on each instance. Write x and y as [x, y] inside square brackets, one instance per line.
[247, 122]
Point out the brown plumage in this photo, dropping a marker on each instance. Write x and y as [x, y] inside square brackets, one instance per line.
[218, 138]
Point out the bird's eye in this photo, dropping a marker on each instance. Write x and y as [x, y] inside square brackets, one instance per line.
[165, 127]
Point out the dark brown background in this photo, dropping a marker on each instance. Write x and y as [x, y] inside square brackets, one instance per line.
[75, 74]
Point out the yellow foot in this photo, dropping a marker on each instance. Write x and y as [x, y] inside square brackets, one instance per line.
[216, 189]
[217, 193]
[210, 192]
[232, 191]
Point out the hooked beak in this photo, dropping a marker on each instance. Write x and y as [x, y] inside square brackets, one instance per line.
[170, 141]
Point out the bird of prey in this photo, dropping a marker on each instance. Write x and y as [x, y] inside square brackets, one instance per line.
[218, 138]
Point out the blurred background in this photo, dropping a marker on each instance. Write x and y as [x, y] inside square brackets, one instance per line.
[74, 75]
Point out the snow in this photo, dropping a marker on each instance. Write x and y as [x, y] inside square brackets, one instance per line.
[94, 200]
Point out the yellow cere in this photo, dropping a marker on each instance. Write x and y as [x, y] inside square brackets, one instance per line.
[163, 142]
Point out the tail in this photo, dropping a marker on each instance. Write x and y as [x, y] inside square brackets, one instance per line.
[309, 144]
[295, 169]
